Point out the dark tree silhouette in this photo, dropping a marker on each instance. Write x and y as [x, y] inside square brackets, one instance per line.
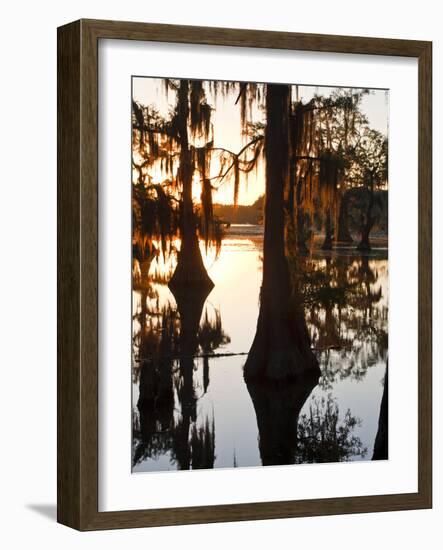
[281, 347]
[343, 233]
[382, 437]
[191, 106]
[166, 144]
[371, 172]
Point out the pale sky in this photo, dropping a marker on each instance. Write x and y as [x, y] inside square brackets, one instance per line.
[227, 124]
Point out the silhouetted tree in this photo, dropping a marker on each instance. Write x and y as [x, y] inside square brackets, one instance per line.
[370, 171]
[281, 347]
[382, 437]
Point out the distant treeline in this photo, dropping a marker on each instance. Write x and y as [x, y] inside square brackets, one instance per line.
[241, 213]
[253, 214]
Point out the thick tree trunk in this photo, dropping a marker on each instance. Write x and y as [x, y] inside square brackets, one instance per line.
[281, 347]
[190, 270]
[343, 233]
[301, 233]
[291, 228]
[382, 438]
[364, 245]
[327, 243]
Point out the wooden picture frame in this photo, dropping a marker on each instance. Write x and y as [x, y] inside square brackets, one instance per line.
[78, 274]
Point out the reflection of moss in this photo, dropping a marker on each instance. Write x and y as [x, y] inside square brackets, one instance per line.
[346, 320]
[203, 445]
[322, 283]
[166, 339]
[210, 333]
[322, 437]
[317, 289]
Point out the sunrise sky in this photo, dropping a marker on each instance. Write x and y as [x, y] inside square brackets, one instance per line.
[226, 119]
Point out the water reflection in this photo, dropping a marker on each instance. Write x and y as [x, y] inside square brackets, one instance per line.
[324, 436]
[168, 341]
[191, 406]
[277, 410]
[347, 315]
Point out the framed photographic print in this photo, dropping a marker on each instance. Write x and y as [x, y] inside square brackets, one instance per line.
[244, 250]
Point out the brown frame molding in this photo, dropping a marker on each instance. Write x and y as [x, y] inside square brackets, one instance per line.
[77, 317]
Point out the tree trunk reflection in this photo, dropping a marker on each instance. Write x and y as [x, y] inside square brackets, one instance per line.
[277, 410]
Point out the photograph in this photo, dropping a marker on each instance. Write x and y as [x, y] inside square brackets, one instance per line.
[259, 274]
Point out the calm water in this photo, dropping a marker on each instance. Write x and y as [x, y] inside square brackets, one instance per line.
[191, 406]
